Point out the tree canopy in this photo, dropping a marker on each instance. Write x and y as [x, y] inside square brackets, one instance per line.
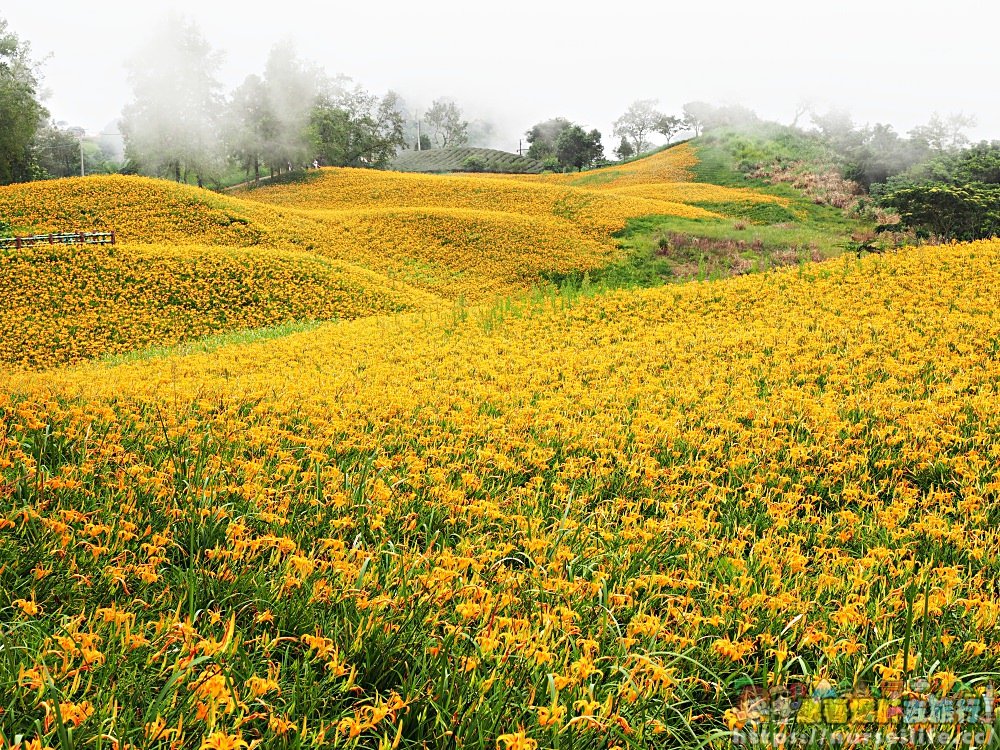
[577, 148]
[955, 195]
[942, 134]
[638, 123]
[542, 137]
[352, 128]
[561, 144]
[624, 149]
[444, 118]
[172, 125]
[21, 110]
[700, 117]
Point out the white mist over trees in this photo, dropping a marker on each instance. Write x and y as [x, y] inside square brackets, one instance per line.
[268, 118]
[291, 89]
[293, 115]
[172, 126]
[249, 125]
[444, 119]
[561, 144]
[181, 124]
[178, 121]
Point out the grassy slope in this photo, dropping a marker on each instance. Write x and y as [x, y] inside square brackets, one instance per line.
[752, 237]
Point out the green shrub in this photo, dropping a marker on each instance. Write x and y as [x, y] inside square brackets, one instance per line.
[966, 212]
[474, 164]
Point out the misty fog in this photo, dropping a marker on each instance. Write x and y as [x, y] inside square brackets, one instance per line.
[512, 66]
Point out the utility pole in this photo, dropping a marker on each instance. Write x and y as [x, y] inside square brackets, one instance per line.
[82, 170]
[416, 116]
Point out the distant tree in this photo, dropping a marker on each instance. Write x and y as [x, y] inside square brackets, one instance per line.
[669, 126]
[702, 116]
[57, 150]
[951, 212]
[426, 144]
[638, 122]
[269, 117]
[293, 88]
[624, 150]
[250, 125]
[732, 116]
[172, 125]
[444, 118]
[352, 128]
[868, 157]
[873, 153]
[977, 165]
[481, 133]
[408, 115]
[867, 154]
[803, 107]
[577, 148]
[695, 115]
[835, 126]
[542, 137]
[944, 134]
[21, 110]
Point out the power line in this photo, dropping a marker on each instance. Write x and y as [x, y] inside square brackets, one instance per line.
[80, 139]
[83, 172]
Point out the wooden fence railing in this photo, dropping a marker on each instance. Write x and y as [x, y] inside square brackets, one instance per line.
[60, 238]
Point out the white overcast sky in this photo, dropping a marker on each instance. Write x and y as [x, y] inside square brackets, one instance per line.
[518, 63]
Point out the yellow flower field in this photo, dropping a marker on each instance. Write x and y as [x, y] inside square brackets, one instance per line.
[461, 253]
[698, 192]
[409, 242]
[366, 189]
[142, 210]
[64, 303]
[551, 521]
[671, 165]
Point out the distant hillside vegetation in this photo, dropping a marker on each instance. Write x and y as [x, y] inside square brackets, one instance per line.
[441, 160]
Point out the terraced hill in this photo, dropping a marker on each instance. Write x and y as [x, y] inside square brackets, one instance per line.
[445, 160]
